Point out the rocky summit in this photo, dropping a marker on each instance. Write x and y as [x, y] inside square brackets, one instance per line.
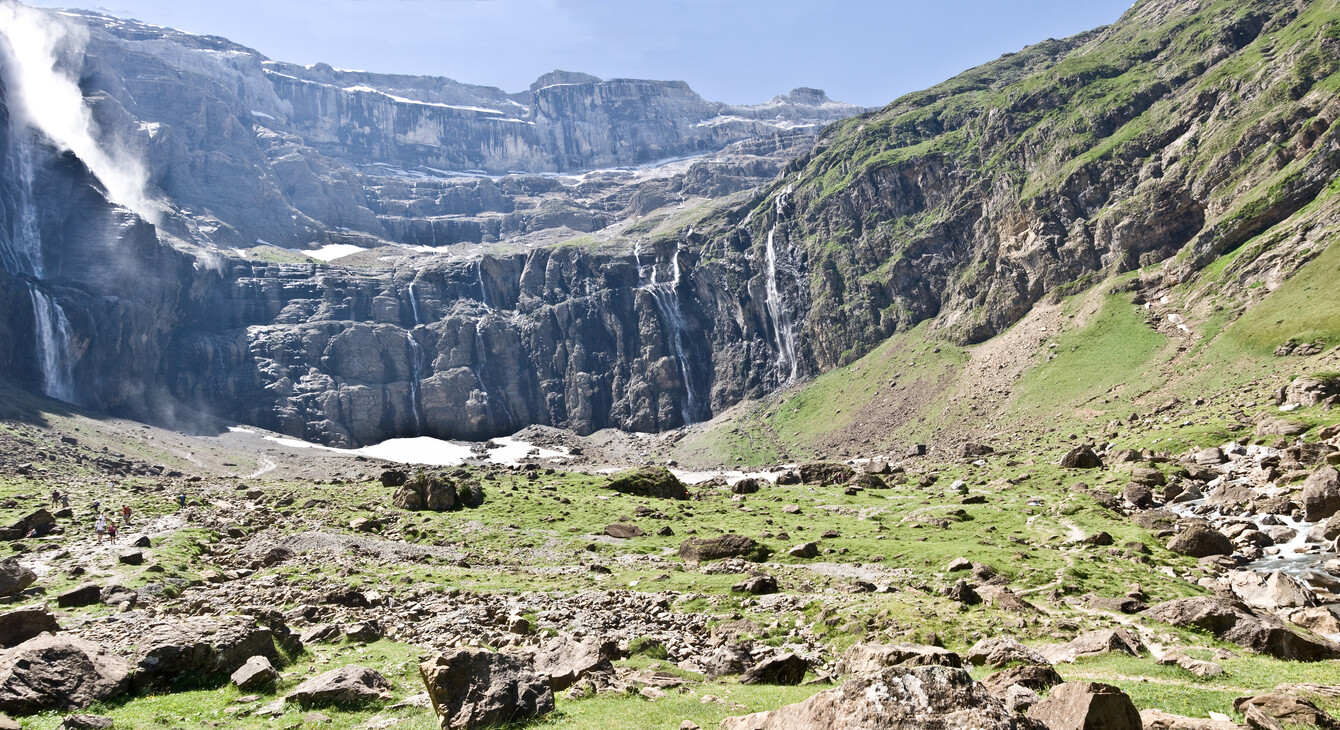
[343, 398]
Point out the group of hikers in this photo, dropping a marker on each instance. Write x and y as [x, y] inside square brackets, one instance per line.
[103, 525]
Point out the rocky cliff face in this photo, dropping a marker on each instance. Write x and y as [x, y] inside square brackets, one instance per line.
[1171, 137]
[253, 149]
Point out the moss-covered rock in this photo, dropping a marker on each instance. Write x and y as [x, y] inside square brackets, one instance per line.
[649, 481]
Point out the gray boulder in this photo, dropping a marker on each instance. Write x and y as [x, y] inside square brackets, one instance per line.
[905, 698]
[1094, 643]
[757, 585]
[22, 624]
[565, 661]
[1199, 541]
[1235, 622]
[875, 658]
[350, 685]
[14, 577]
[59, 673]
[1081, 457]
[1086, 706]
[1037, 677]
[731, 658]
[1271, 592]
[1321, 494]
[174, 653]
[1275, 710]
[786, 669]
[1002, 651]
[474, 688]
[256, 674]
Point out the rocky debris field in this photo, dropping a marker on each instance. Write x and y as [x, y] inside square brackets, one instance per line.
[1024, 588]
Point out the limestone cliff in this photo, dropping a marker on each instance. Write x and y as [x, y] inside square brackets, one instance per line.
[1187, 130]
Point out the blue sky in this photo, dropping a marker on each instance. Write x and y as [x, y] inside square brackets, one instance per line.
[743, 51]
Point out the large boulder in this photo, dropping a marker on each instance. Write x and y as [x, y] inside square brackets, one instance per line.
[1094, 643]
[697, 550]
[905, 698]
[1234, 621]
[756, 585]
[565, 661]
[431, 492]
[350, 685]
[14, 577]
[1271, 592]
[87, 594]
[178, 653]
[1321, 494]
[781, 669]
[474, 688]
[729, 658]
[1081, 457]
[22, 624]
[1002, 651]
[256, 674]
[1086, 706]
[825, 473]
[874, 658]
[59, 672]
[1275, 710]
[649, 481]
[1037, 677]
[38, 523]
[1200, 541]
[1311, 390]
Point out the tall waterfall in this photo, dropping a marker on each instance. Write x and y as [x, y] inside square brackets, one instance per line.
[483, 291]
[415, 358]
[783, 329]
[414, 305]
[666, 297]
[52, 339]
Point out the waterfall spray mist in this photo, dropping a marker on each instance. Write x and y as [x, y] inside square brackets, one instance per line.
[39, 63]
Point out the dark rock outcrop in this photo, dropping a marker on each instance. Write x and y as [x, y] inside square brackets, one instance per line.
[473, 688]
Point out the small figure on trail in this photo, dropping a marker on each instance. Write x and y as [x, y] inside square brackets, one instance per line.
[125, 513]
[65, 501]
[111, 531]
[97, 506]
[100, 526]
[55, 497]
[181, 500]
